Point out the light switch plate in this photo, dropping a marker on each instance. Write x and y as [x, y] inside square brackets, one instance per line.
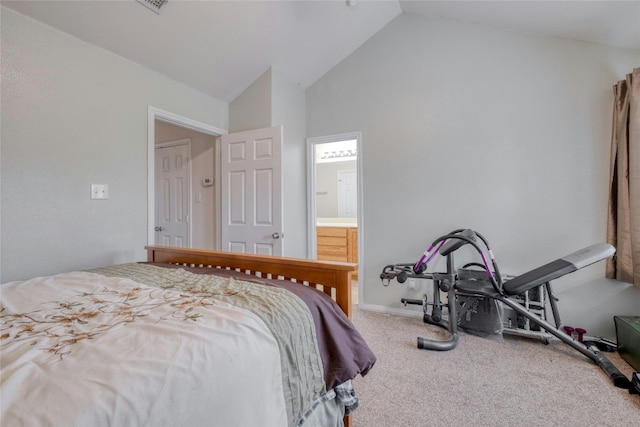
[99, 191]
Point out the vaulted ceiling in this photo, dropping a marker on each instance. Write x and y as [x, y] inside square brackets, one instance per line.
[220, 47]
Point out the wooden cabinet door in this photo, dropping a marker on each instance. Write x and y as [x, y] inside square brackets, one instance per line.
[332, 244]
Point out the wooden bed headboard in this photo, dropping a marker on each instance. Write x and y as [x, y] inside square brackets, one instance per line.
[333, 278]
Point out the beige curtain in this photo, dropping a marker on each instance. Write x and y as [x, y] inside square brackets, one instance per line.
[623, 226]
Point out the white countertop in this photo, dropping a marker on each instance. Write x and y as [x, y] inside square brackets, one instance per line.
[337, 222]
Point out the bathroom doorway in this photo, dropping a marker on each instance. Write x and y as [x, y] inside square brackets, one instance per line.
[335, 197]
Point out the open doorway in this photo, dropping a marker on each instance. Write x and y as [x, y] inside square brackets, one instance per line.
[185, 190]
[335, 197]
[205, 227]
[258, 198]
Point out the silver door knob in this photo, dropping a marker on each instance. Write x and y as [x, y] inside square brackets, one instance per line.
[276, 235]
[159, 228]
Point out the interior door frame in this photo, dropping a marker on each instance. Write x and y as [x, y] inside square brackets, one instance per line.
[154, 114]
[311, 194]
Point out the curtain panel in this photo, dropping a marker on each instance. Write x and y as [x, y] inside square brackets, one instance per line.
[623, 224]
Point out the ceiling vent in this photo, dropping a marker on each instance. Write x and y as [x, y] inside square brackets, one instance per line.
[155, 5]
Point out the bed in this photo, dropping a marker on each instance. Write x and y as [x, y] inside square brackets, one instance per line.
[189, 338]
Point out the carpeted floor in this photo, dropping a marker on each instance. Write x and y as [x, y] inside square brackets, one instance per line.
[483, 382]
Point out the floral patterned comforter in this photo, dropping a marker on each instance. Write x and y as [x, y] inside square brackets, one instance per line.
[139, 344]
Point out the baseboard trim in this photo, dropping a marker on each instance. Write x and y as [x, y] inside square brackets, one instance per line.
[389, 310]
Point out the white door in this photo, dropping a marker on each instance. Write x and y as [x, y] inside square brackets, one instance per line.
[347, 194]
[251, 191]
[173, 189]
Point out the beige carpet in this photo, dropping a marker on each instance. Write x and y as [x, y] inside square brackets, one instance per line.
[483, 382]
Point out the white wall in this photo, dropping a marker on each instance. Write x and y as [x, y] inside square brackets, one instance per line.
[73, 115]
[470, 126]
[203, 198]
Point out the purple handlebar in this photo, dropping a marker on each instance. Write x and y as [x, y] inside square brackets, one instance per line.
[428, 256]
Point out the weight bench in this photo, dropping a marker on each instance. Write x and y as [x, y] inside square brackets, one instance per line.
[487, 284]
[543, 276]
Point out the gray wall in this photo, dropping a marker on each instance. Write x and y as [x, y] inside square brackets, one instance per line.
[252, 108]
[469, 126]
[75, 115]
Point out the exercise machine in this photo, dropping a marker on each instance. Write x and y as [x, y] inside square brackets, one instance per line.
[481, 283]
